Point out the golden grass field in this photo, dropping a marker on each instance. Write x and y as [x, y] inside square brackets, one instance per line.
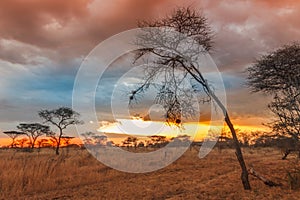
[78, 175]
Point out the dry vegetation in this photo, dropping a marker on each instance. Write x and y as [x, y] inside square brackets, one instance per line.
[78, 175]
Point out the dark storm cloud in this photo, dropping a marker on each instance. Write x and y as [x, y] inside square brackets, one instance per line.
[27, 21]
[42, 44]
[71, 28]
[247, 29]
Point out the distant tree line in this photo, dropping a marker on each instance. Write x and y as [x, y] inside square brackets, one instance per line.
[29, 133]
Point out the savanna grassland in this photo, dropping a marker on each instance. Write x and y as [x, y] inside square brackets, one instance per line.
[78, 175]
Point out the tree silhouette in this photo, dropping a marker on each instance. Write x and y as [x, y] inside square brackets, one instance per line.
[33, 131]
[158, 140]
[67, 139]
[20, 142]
[88, 138]
[53, 139]
[91, 138]
[13, 135]
[181, 138]
[277, 71]
[278, 75]
[42, 142]
[130, 141]
[175, 68]
[60, 118]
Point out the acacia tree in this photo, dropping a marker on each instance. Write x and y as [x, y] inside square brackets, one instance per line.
[61, 118]
[33, 131]
[175, 68]
[91, 138]
[278, 75]
[13, 135]
[287, 111]
[67, 140]
[158, 140]
[88, 138]
[131, 140]
[42, 142]
[20, 142]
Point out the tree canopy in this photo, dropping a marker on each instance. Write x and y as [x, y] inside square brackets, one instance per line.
[13, 135]
[60, 118]
[33, 131]
[278, 74]
[277, 71]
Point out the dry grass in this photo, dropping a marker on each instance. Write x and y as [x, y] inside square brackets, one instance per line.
[78, 175]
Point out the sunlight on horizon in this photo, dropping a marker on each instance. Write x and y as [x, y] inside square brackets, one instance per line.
[139, 127]
[136, 126]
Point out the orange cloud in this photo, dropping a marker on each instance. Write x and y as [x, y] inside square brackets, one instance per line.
[25, 20]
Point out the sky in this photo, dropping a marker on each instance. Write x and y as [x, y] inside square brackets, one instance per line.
[43, 43]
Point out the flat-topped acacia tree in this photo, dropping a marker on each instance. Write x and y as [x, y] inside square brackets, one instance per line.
[61, 118]
[33, 131]
[165, 60]
[13, 135]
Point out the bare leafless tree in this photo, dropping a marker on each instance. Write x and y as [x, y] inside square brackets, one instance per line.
[176, 64]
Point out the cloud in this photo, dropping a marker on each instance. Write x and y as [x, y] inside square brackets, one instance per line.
[71, 28]
[25, 90]
[42, 44]
[247, 29]
[29, 21]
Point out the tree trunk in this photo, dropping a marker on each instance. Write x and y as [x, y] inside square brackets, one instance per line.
[33, 142]
[58, 142]
[239, 154]
[263, 179]
[238, 151]
[30, 140]
[13, 143]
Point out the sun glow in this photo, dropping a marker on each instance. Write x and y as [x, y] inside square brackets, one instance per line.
[139, 127]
